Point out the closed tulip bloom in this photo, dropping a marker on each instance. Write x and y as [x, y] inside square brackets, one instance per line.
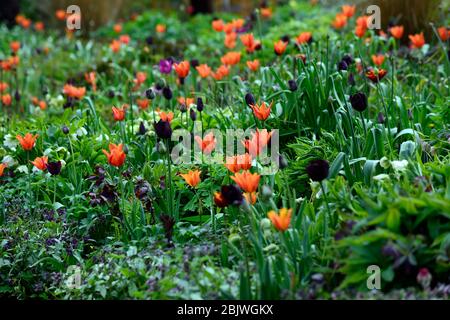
[165, 66]
[203, 70]
[318, 170]
[40, 163]
[207, 144]
[167, 93]
[340, 21]
[15, 46]
[115, 46]
[119, 114]
[359, 101]
[444, 33]
[60, 14]
[192, 178]
[6, 99]
[200, 105]
[249, 99]
[27, 142]
[182, 69]
[117, 28]
[163, 129]
[396, 31]
[261, 111]
[280, 220]
[160, 28]
[218, 25]
[3, 166]
[54, 167]
[292, 84]
[280, 47]
[231, 58]
[247, 181]
[417, 40]
[116, 156]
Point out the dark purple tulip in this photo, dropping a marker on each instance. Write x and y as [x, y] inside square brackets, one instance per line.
[194, 63]
[359, 101]
[351, 79]
[150, 94]
[54, 168]
[65, 130]
[318, 170]
[165, 66]
[292, 85]
[232, 194]
[342, 65]
[167, 93]
[380, 117]
[192, 114]
[249, 99]
[142, 129]
[348, 59]
[200, 105]
[163, 129]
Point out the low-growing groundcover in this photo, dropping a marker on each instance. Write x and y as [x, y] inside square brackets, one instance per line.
[354, 202]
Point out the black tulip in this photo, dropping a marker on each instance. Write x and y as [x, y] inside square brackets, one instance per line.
[111, 94]
[285, 38]
[380, 117]
[167, 93]
[54, 167]
[250, 99]
[142, 130]
[318, 170]
[17, 96]
[150, 94]
[193, 114]
[342, 65]
[158, 87]
[65, 130]
[292, 85]
[182, 107]
[163, 129]
[348, 59]
[200, 105]
[232, 194]
[359, 101]
[194, 63]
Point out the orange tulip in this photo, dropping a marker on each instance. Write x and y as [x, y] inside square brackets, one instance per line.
[250, 197]
[60, 14]
[378, 59]
[116, 156]
[397, 32]
[304, 37]
[266, 12]
[160, 28]
[192, 178]
[260, 139]
[239, 162]
[281, 220]
[247, 181]
[221, 72]
[19, 18]
[280, 47]
[39, 26]
[376, 76]
[231, 58]
[417, 40]
[40, 163]
[15, 46]
[125, 39]
[117, 28]
[74, 92]
[261, 111]
[348, 11]
[248, 40]
[360, 31]
[119, 114]
[363, 21]
[142, 103]
[228, 28]
[238, 23]
[182, 69]
[203, 70]
[25, 23]
[3, 86]
[42, 105]
[186, 101]
[6, 99]
[230, 40]
[207, 144]
[2, 168]
[253, 65]
[115, 46]
[217, 25]
[340, 21]
[90, 78]
[27, 142]
[166, 117]
[444, 33]
[219, 200]
[139, 80]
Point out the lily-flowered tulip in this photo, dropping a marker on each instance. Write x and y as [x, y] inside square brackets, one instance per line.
[117, 28]
[115, 46]
[143, 103]
[118, 114]
[182, 69]
[230, 40]
[3, 166]
[239, 162]
[340, 21]
[218, 25]
[14, 46]
[396, 31]
[259, 140]
[376, 75]
[125, 39]
[203, 70]
[207, 144]
[6, 99]
[253, 65]
[247, 181]
[231, 58]
[221, 72]
[91, 79]
[74, 92]
[280, 220]
[261, 111]
[266, 13]
[168, 117]
[378, 59]
[304, 37]
[417, 40]
[248, 40]
[192, 178]
[280, 47]
[40, 163]
[444, 33]
[27, 142]
[348, 11]
[116, 156]
[60, 14]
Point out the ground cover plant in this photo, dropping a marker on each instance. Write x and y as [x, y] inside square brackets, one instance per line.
[115, 182]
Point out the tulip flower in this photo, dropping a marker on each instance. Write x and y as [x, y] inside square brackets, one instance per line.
[396, 31]
[444, 33]
[119, 114]
[261, 111]
[6, 99]
[247, 181]
[54, 167]
[27, 142]
[239, 162]
[231, 58]
[3, 166]
[160, 28]
[317, 170]
[280, 47]
[281, 220]
[348, 11]
[378, 59]
[207, 144]
[304, 37]
[417, 40]
[253, 65]
[168, 117]
[116, 156]
[40, 163]
[218, 25]
[376, 75]
[259, 140]
[192, 178]
[182, 69]
[203, 70]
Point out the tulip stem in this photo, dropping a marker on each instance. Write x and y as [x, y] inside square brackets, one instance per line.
[169, 179]
[325, 222]
[29, 182]
[54, 191]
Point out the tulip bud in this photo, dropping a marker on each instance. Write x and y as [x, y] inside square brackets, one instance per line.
[292, 85]
[200, 105]
[380, 117]
[424, 278]
[265, 224]
[149, 94]
[111, 94]
[17, 96]
[54, 167]
[285, 38]
[318, 170]
[163, 129]
[65, 130]
[266, 193]
[167, 93]
[342, 65]
[182, 107]
[193, 115]
[142, 130]
[194, 63]
[359, 101]
[250, 99]
[351, 79]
